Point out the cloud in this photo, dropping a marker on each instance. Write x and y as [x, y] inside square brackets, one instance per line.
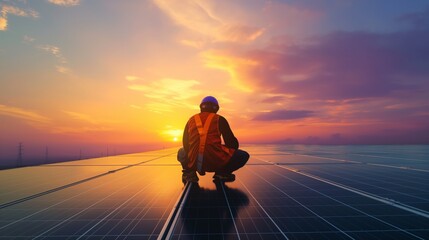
[62, 69]
[167, 93]
[275, 99]
[82, 117]
[3, 23]
[168, 88]
[336, 66]
[232, 64]
[8, 9]
[131, 78]
[56, 51]
[283, 115]
[79, 130]
[23, 114]
[65, 2]
[135, 106]
[28, 39]
[12, 10]
[419, 20]
[203, 18]
[194, 44]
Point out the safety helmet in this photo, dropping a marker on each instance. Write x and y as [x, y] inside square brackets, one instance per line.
[210, 99]
[209, 104]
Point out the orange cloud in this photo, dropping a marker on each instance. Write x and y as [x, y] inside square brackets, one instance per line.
[24, 114]
[201, 17]
[7, 9]
[3, 23]
[56, 51]
[232, 65]
[86, 118]
[62, 69]
[65, 2]
[167, 93]
[131, 78]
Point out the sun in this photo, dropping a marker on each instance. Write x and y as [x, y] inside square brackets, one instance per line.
[175, 139]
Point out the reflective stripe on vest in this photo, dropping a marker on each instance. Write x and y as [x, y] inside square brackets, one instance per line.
[203, 136]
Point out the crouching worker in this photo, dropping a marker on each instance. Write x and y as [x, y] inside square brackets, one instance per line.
[203, 150]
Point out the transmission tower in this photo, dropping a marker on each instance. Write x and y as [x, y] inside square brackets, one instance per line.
[20, 150]
[46, 155]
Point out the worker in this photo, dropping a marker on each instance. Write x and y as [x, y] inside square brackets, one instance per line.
[203, 150]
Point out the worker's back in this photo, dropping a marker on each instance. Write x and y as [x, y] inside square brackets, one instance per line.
[215, 155]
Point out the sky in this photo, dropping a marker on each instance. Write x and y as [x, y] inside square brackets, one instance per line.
[110, 77]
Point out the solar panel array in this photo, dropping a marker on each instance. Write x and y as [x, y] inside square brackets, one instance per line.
[284, 192]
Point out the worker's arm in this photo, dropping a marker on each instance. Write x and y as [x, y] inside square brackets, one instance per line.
[227, 134]
[185, 140]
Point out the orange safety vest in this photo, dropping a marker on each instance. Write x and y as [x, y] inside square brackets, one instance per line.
[206, 152]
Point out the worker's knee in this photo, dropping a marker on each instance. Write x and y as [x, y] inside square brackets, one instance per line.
[181, 155]
[242, 157]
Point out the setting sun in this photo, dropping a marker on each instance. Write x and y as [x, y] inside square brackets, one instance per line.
[175, 139]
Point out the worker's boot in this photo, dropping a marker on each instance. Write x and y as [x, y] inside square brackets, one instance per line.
[224, 177]
[189, 176]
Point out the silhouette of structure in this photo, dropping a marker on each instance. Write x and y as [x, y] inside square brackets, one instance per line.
[19, 159]
[46, 155]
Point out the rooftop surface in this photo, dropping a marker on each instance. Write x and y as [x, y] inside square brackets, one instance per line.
[284, 192]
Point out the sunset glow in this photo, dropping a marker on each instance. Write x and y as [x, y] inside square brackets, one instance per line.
[125, 76]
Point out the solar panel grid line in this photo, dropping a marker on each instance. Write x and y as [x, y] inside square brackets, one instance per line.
[64, 221]
[336, 200]
[359, 162]
[159, 164]
[360, 153]
[229, 208]
[380, 180]
[370, 179]
[41, 235]
[109, 222]
[328, 158]
[74, 215]
[375, 164]
[398, 167]
[272, 154]
[18, 186]
[22, 185]
[139, 163]
[412, 178]
[402, 206]
[263, 209]
[168, 228]
[112, 212]
[139, 219]
[128, 230]
[74, 183]
[368, 155]
[302, 205]
[85, 165]
[58, 203]
[51, 191]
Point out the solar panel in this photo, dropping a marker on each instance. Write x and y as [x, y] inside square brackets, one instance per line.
[285, 192]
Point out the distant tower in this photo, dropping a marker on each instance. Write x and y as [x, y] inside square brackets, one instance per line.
[19, 160]
[46, 155]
